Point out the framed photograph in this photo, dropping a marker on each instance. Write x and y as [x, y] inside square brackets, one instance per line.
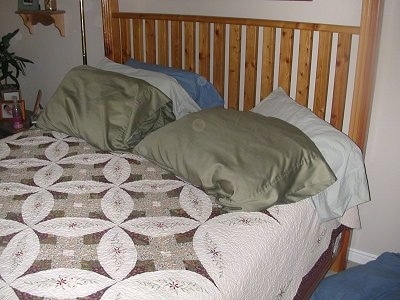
[6, 109]
[38, 107]
[10, 95]
[28, 4]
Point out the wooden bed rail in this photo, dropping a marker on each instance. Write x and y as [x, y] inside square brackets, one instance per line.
[329, 68]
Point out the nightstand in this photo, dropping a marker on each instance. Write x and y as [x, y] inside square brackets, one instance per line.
[6, 126]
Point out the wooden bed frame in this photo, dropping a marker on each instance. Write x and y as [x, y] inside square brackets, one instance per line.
[246, 58]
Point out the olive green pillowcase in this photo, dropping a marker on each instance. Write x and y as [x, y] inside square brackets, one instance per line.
[249, 161]
[109, 110]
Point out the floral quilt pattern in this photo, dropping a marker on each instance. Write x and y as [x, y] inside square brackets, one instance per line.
[78, 223]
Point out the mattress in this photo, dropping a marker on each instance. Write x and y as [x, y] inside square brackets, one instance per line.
[76, 222]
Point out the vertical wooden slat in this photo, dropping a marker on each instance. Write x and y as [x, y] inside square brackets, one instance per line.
[268, 61]
[250, 71]
[204, 50]
[125, 40]
[117, 50]
[285, 59]
[138, 40]
[190, 51]
[341, 78]
[304, 67]
[110, 26]
[234, 66]
[176, 44]
[150, 41]
[322, 74]
[219, 58]
[163, 47]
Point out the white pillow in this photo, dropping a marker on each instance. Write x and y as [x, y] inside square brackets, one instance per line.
[183, 104]
[340, 152]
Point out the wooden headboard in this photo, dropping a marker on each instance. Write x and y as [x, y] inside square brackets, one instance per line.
[247, 58]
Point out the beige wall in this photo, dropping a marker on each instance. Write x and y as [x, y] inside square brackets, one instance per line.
[381, 220]
[54, 56]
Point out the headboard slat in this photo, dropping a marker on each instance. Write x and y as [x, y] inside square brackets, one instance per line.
[322, 75]
[286, 59]
[150, 38]
[163, 49]
[304, 67]
[219, 57]
[268, 61]
[250, 82]
[204, 50]
[341, 79]
[235, 35]
[138, 39]
[125, 37]
[176, 44]
[190, 63]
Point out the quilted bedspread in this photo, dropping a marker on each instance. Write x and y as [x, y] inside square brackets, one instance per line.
[78, 223]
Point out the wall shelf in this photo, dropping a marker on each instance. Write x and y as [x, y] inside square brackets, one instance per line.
[45, 17]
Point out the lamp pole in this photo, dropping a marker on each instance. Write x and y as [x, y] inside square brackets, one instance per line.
[83, 32]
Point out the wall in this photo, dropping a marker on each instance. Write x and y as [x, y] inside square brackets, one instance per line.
[54, 56]
[380, 218]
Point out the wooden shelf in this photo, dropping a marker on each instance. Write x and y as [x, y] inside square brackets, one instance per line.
[45, 17]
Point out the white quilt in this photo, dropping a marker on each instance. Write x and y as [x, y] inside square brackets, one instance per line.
[76, 222]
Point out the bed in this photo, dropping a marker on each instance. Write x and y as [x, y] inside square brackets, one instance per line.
[117, 209]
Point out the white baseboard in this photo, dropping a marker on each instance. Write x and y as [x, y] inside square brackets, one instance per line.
[360, 257]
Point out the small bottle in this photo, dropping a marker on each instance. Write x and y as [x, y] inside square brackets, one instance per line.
[17, 116]
[50, 5]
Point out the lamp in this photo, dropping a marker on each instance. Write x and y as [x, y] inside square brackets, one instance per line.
[83, 32]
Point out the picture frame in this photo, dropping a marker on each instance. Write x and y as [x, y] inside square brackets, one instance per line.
[10, 95]
[28, 5]
[38, 107]
[6, 112]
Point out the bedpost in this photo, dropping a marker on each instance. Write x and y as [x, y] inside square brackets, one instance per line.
[108, 7]
[371, 20]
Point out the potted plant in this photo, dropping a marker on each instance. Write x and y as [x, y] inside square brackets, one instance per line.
[11, 65]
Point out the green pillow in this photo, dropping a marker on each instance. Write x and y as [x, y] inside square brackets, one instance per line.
[249, 161]
[109, 110]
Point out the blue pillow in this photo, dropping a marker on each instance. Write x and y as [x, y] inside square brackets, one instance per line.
[201, 90]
